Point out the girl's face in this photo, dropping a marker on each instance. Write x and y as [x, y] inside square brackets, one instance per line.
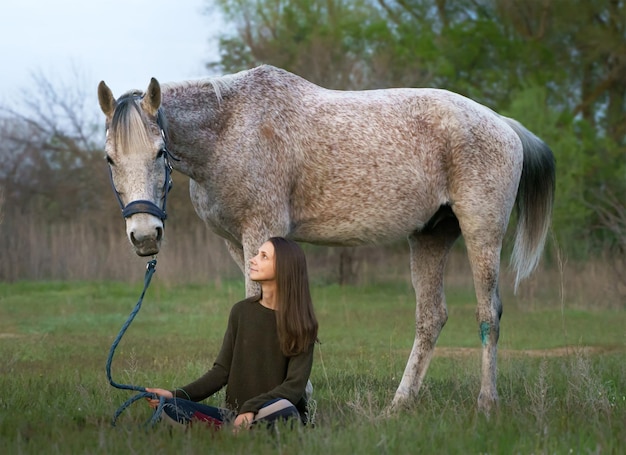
[263, 265]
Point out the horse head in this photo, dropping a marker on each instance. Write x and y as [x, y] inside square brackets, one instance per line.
[139, 166]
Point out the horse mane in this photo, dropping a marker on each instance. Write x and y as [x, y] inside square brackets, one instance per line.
[220, 84]
[128, 125]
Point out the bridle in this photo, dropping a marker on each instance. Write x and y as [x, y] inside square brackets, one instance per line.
[143, 205]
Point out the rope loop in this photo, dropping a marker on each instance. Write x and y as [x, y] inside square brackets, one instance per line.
[150, 269]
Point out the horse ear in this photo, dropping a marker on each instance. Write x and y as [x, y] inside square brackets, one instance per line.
[106, 99]
[152, 99]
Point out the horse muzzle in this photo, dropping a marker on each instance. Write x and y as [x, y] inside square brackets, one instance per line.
[145, 233]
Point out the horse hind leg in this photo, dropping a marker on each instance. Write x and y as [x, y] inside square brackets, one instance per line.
[429, 252]
[483, 249]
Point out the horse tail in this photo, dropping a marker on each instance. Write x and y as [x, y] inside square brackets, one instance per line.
[534, 203]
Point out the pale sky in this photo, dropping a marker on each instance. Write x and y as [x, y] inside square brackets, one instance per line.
[123, 42]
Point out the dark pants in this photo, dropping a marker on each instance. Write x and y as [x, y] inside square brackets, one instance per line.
[187, 412]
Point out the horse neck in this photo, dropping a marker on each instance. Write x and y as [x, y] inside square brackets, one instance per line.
[189, 104]
[191, 113]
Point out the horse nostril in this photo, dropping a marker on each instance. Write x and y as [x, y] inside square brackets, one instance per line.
[147, 240]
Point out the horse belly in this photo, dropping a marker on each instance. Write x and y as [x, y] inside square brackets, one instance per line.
[351, 218]
[348, 233]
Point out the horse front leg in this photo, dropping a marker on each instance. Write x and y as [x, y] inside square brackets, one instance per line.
[429, 253]
[236, 251]
[242, 255]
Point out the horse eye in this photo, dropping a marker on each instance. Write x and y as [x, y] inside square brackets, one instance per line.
[160, 153]
[109, 160]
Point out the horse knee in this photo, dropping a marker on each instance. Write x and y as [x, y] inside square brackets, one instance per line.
[429, 326]
[443, 316]
[439, 319]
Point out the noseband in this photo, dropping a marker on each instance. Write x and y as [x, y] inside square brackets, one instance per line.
[142, 205]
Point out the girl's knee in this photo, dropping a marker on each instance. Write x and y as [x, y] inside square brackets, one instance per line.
[277, 409]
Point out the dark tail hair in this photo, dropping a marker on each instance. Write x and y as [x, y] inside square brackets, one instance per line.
[535, 201]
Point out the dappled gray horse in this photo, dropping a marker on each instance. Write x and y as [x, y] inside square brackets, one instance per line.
[271, 154]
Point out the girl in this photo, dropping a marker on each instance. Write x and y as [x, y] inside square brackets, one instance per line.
[267, 353]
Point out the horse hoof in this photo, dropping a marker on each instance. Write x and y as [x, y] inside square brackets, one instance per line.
[487, 403]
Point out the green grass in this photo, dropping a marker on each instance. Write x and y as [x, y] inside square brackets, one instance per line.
[55, 337]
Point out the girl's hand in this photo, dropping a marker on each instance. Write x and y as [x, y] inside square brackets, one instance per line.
[242, 421]
[154, 402]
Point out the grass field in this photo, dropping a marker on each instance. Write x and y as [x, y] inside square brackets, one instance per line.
[561, 376]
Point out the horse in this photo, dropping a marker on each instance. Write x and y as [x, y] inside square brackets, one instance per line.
[269, 153]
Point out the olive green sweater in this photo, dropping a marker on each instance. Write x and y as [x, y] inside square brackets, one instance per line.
[251, 365]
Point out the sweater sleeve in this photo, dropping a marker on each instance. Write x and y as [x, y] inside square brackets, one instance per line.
[292, 388]
[217, 376]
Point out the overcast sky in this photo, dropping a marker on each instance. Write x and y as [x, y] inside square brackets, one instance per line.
[123, 42]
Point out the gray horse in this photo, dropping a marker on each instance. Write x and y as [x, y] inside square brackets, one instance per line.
[271, 154]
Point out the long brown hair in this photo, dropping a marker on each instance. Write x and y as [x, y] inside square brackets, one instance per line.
[295, 317]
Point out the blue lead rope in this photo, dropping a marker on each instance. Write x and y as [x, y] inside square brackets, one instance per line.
[150, 269]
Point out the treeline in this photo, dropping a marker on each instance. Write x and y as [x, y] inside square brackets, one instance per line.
[558, 66]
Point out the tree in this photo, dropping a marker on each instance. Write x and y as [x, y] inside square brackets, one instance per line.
[51, 148]
[329, 42]
[588, 40]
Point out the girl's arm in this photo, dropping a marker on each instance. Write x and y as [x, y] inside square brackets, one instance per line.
[292, 388]
[216, 377]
